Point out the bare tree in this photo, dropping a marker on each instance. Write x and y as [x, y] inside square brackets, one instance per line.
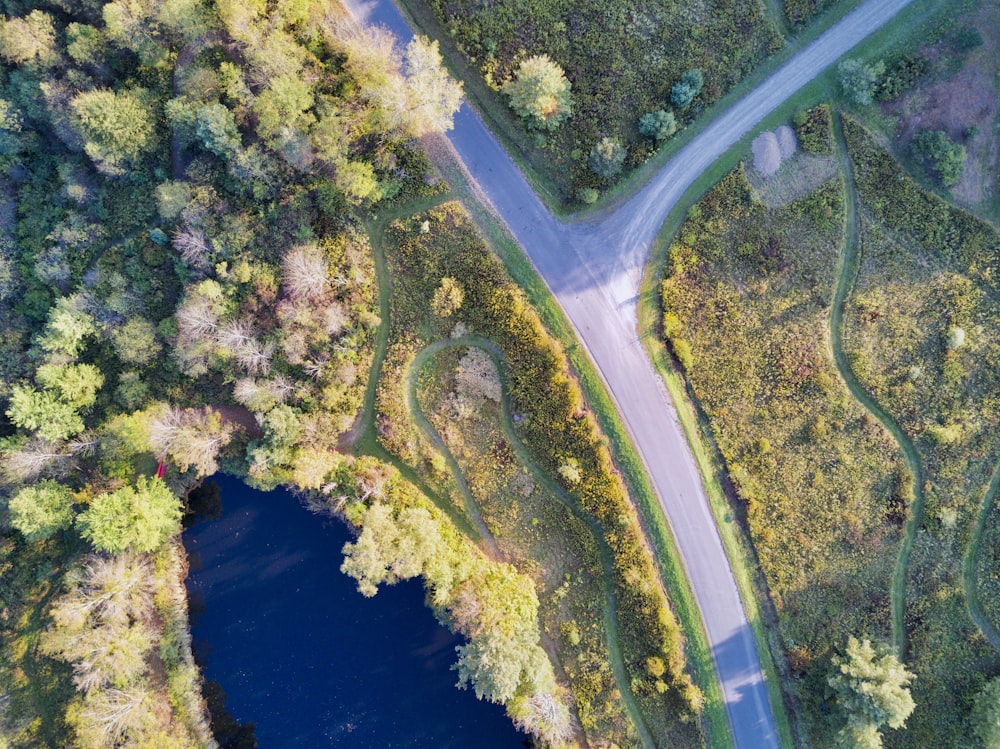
[304, 272]
[191, 437]
[192, 246]
[36, 458]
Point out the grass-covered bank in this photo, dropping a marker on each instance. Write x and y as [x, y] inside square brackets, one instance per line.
[441, 245]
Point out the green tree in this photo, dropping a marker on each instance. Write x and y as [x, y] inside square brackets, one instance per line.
[282, 104]
[29, 39]
[44, 413]
[606, 157]
[86, 45]
[939, 153]
[658, 125]
[171, 198]
[872, 688]
[688, 87]
[985, 717]
[117, 128]
[857, 81]
[540, 93]
[138, 518]
[67, 329]
[76, 384]
[357, 181]
[135, 342]
[42, 510]
[433, 94]
[215, 128]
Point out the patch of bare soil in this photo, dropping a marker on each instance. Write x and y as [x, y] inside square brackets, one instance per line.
[966, 100]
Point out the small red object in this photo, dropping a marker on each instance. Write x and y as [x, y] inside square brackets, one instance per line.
[161, 469]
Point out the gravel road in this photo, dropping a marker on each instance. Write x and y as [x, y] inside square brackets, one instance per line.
[594, 269]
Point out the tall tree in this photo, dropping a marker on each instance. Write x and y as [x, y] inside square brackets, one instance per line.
[434, 95]
[42, 510]
[138, 518]
[117, 128]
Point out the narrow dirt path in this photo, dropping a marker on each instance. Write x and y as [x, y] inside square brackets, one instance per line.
[975, 607]
[847, 272]
[610, 609]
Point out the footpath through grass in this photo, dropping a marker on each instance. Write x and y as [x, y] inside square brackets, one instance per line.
[846, 274]
[651, 650]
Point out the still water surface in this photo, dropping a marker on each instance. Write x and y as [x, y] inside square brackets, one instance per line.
[303, 655]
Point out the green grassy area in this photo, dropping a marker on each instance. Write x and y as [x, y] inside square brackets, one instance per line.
[746, 296]
[536, 526]
[641, 50]
[920, 281]
[443, 244]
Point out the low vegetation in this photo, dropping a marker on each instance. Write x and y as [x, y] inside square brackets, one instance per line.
[917, 331]
[624, 60]
[560, 437]
[821, 486]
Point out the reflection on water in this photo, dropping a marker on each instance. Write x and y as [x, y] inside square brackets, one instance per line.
[299, 652]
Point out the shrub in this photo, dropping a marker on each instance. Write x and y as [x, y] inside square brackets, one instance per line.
[902, 74]
[606, 157]
[941, 155]
[588, 195]
[540, 93]
[658, 125]
[689, 86]
[857, 81]
[814, 129]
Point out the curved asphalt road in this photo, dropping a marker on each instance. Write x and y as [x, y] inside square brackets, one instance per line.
[594, 271]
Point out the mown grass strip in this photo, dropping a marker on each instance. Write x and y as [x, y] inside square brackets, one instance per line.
[846, 274]
[554, 488]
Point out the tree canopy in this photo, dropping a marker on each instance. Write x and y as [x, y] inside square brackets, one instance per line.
[540, 93]
[136, 518]
[872, 688]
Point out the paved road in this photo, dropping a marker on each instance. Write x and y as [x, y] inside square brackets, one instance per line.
[594, 271]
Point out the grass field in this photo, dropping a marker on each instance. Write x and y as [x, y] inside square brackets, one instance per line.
[747, 295]
[925, 274]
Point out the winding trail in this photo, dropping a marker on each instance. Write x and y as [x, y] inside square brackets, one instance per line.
[594, 269]
[987, 627]
[847, 272]
[610, 609]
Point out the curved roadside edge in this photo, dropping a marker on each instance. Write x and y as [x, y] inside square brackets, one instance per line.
[972, 601]
[847, 271]
[738, 547]
[524, 456]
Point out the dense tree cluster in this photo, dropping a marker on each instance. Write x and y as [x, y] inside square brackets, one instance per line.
[182, 283]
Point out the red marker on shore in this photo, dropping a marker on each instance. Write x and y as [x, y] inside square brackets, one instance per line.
[161, 469]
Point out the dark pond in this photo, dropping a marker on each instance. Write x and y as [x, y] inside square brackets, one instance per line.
[304, 656]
